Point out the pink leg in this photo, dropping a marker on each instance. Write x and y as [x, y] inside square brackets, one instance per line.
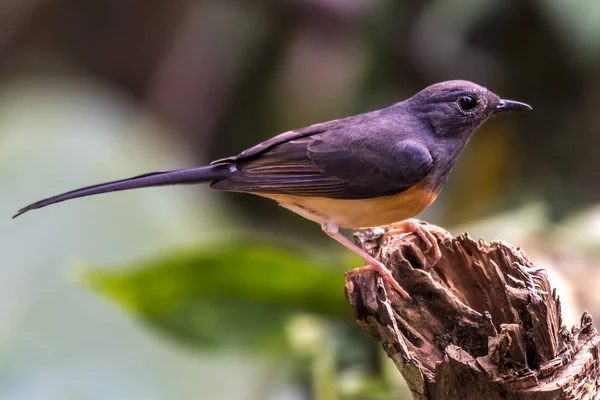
[372, 264]
[425, 231]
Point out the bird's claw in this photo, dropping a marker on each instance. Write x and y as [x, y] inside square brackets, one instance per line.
[384, 273]
[428, 233]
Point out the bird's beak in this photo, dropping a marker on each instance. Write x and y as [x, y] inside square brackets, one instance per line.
[512, 106]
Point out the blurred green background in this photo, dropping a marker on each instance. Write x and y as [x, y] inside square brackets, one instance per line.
[184, 293]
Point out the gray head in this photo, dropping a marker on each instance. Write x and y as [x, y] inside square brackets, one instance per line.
[447, 114]
[458, 108]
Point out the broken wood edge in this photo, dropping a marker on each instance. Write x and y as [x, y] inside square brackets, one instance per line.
[482, 321]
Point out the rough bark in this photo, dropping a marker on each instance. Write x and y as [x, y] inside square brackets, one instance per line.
[483, 322]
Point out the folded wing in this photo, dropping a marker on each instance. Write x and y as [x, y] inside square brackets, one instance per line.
[332, 164]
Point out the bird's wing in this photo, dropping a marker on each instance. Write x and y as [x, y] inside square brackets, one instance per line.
[331, 163]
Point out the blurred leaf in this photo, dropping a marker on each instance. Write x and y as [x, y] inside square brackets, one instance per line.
[235, 293]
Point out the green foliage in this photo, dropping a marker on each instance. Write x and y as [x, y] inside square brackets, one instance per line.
[239, 292]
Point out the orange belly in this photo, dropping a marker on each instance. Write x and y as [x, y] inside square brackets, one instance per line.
[355, 214]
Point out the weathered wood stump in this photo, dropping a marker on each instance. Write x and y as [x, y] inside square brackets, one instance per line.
[483, 322]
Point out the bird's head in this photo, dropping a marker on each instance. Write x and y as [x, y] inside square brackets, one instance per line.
[455, 109]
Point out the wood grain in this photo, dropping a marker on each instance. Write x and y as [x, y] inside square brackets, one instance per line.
[483, 322]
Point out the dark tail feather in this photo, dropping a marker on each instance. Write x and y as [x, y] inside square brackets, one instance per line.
[178, 177]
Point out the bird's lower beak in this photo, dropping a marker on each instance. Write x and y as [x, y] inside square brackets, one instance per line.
[512, 106]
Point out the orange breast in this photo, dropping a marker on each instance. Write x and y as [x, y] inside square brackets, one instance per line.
[355, 214]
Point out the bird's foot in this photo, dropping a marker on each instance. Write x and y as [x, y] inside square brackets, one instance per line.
[383, 272]
[428, 233]
[332, 230]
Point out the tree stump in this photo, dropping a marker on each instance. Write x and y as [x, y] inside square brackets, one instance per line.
[483, 322]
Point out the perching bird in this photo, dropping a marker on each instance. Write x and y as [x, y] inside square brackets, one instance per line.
[380, 168]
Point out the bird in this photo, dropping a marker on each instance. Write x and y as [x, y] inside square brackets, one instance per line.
[379, 168]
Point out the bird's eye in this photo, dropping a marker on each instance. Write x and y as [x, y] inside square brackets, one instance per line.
[467, 103]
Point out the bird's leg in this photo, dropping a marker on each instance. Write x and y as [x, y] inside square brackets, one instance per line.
[333, 231]
[425, 231]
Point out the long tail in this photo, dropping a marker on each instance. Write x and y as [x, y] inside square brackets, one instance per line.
[207, 173]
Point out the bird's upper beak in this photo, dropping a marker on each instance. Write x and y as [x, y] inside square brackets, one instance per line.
[512, 106]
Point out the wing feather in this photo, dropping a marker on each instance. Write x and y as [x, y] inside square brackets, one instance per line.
[331, 163]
